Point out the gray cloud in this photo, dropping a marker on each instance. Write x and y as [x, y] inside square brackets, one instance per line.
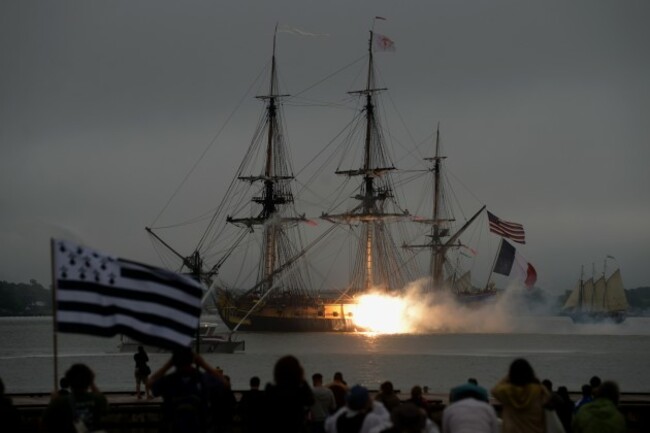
[105, 106]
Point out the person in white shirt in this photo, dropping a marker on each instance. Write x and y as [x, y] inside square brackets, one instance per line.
[324, 404]
[469, 412]
[360, 415]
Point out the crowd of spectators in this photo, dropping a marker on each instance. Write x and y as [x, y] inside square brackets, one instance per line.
[197, 398]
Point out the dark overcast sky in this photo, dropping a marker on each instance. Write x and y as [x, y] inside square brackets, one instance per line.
[106, 105]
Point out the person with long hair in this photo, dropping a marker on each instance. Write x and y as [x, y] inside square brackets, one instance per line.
[289, 399]
[523, 398]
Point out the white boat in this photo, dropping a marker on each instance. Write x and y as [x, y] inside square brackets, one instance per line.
[211, 340]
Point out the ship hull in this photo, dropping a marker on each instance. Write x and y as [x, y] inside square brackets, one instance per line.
[286, 315]
[261, 323]
[476, 299]
[593, 317]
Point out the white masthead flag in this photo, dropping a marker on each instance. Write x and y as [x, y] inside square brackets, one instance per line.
[100, 294]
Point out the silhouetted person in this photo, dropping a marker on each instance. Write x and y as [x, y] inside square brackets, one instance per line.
[289, 399]
[594, 382]
[340, 389]
[141, 372]
[187, 393]
[602, 414]
[10, 419]
[468, 390]
[469, 411]
[586, 397]
[251, 407]
[324, 404]
[225, 405]
[387, 396]
[523, 398]
[565, 411]
[417, 398]
[408, 418]
[82, 408]
[64, 386]
[360, 414]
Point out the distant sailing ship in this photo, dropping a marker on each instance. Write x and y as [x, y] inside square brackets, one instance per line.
[596, 301]
[279, 295]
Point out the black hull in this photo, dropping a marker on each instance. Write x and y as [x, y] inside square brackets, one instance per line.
[288, 315]
[476, 299]
[256, 323]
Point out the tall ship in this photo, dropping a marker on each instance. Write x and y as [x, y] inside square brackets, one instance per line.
[597, 299]
[257, 254]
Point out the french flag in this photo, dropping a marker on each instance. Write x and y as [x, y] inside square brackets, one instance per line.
[510, 261]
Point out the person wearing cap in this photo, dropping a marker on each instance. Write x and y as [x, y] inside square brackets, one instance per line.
[468, 389]
[360, 414]
[469, 411]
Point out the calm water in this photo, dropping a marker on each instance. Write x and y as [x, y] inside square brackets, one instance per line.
[567, 354]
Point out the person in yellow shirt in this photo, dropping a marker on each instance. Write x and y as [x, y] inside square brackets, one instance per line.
[522, 398]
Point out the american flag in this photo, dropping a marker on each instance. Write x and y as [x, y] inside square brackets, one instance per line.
[99, 294]
[507, 229]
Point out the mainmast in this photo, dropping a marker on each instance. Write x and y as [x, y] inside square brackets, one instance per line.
[372, 197]
[438, 257]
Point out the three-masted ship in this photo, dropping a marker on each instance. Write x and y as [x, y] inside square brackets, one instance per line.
[258, 226]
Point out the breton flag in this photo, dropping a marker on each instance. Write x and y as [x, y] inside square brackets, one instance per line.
[510, 261]
[506, 229]
[383, 43]
[100, 294]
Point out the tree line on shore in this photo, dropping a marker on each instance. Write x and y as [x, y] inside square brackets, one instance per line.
[32, 299]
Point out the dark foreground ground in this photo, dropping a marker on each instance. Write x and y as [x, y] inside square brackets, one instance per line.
[127, 414]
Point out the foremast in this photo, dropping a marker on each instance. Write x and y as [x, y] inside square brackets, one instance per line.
[275, 194]
[441, 239]
[374, 191]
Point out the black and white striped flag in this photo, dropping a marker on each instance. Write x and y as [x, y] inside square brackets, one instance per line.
[100, 294]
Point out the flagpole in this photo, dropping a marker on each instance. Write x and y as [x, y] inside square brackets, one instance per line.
[487, 284]
[54, 327]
